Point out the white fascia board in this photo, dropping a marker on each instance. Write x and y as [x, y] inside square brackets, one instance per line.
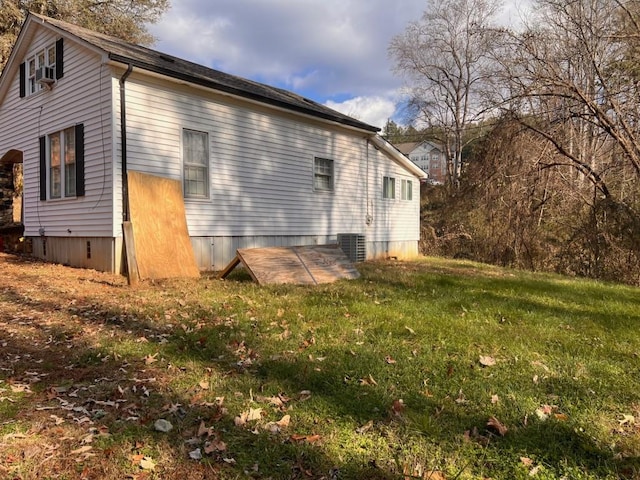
[398, 156]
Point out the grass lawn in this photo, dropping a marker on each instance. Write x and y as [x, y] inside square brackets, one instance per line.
[433, 369]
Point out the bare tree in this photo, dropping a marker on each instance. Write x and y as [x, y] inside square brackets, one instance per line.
[576, 86]
[446, 58]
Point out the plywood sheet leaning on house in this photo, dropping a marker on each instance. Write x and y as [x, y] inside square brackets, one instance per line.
[162, 244]
[308, 265]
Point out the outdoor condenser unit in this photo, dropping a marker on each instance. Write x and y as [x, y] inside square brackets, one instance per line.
[354, 246]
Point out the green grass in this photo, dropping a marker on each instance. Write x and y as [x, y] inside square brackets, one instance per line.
[413, 331]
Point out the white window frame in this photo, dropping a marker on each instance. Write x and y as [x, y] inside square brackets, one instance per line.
[190, 167]
[67, 165]
[323, 170]
[406, 190]
[388, 188]
[45, 57]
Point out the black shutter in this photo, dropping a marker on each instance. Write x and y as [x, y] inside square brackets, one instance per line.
[43, 168]
[59, 59]
[23, 80]
[80, 160]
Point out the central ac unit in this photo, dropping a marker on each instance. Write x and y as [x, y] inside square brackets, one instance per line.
[354, 246]
[44, 75]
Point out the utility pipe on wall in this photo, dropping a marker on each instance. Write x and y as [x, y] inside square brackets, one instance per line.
[123, 140]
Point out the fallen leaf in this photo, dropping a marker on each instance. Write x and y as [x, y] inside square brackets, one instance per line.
[397, 408]
[276, 427]
[365, 428]
[215, 446]
[497, 425]
[537, 363]
[195, 454]
[80, 450]
[275, 401]
[389, 360]
[254, 414]
[627, 420]
[305, 438]
[204, 385]
[203, 430]
[526, 461]
[284, 421]
[147, 463]
[487, 361]
[149, 359]
[368, 381]
[495, 399]
[163, 425]
[241, 419]
[410, 330]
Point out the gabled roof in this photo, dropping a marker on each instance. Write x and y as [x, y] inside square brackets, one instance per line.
[409, 147]
[153, 61]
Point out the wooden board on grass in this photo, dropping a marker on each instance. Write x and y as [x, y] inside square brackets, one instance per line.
[162, 245]
[307, 265]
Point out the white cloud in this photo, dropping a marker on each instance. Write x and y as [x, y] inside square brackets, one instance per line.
[322, 49]
[372, 110]
[328, 47]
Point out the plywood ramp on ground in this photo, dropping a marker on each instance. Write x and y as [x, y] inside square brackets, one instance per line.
[308, 265]
[161, 238]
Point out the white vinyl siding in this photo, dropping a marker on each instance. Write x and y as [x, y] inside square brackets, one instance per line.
[82, 96]
[261, 173]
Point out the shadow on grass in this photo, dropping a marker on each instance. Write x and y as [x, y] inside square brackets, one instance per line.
[97, 375]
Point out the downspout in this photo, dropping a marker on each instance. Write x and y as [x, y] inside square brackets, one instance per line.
[123, 139]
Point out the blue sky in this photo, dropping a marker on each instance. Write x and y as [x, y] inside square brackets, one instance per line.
[332, 51]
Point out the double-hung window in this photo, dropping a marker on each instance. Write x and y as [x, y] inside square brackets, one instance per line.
[407, 190]
[323, 174]
[44, 61]
[195, 157]
[62, 163]
[388, 187]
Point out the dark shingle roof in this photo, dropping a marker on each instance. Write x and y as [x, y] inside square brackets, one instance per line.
[154, 61]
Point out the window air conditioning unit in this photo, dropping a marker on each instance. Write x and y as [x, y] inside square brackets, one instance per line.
[44, 75]
[354, 246]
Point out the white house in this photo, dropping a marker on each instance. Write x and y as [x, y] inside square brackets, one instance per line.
[259, 166]
[428, 156]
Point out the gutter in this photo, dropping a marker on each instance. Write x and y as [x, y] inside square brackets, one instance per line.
[123, 140]
[398, 156]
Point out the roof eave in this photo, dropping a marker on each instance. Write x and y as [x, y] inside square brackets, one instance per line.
[204, 82]
[398, 156]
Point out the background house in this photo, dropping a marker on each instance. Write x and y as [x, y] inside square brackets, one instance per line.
[429, 157]
[259, 166]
